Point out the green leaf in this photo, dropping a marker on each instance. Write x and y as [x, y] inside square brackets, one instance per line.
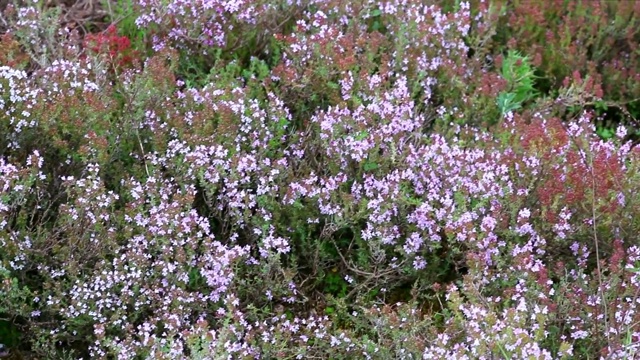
[361, 135]
[506, 102]
[605, 133]
[329, 310]
[370, 166]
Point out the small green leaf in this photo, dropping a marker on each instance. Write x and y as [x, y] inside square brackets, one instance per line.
[370, 166]
[605, 133]
[362, 135]
[329, 310]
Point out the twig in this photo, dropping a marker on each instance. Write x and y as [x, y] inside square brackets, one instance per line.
[589, 164]
[595, 240]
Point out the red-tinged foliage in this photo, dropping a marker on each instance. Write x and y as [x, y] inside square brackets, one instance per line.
[116, 48]
[566, 38]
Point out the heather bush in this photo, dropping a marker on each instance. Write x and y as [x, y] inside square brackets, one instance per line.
[377, 180]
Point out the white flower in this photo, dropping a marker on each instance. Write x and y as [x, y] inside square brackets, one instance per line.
[621, 132]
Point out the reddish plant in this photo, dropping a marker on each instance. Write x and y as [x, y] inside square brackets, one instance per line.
[116, 48]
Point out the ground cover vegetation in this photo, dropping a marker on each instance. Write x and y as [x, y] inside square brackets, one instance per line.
[319, 179]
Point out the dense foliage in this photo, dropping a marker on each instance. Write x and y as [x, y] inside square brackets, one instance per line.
[320, 179]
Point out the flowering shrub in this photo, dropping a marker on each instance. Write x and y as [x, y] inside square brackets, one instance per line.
[198, 26]
[358, 180]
